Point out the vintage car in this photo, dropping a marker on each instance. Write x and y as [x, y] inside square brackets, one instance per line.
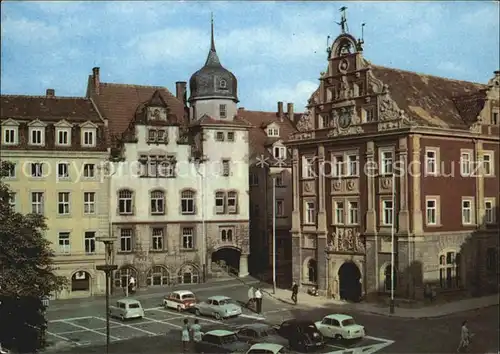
[261, 333]
[267, 348]
[221, 341]
[126, 309]
[180, 300]
[340, 326]
[301, 334]
[218, 306]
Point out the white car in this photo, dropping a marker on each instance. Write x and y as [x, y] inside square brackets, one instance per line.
[180, 300]
[126, 308]
[267, 348]
[340, 326]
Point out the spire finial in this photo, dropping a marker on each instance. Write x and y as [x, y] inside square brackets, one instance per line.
[212, 43]
[343, 20]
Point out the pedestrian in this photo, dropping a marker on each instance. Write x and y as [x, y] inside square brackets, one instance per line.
[185, 336]
[196, 331]
[295, 291]
[251, 297]
[258, 300]
[464, 338]
[131, 285]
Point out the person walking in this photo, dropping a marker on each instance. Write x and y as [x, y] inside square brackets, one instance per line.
[251, 297]
[185, 336]
[196, 333]
[464, 338]
[258, 300]
[131, 285]
[295, 291]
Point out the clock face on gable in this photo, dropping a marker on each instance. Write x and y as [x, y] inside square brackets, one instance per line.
[157, 113]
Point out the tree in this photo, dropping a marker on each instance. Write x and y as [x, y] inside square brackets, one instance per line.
[26, 275]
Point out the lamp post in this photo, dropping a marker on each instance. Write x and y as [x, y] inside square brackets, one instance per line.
[274, 235]
[107, 268]
[198, 161]
[393, 214]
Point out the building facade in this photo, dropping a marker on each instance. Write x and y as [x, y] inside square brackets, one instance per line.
[57, 146]
[385, 151]
[178, 177]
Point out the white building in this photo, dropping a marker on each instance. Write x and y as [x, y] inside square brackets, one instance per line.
[179, 176]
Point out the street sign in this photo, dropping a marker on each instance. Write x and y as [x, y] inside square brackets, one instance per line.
[45, 301]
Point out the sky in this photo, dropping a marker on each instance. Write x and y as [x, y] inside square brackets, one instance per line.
[276, 49]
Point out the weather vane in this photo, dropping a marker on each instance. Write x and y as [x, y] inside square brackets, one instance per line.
[328, 49]
[343, 20]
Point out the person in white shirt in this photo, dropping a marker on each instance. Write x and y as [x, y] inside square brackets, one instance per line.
[258, 300]
[251, 297]
[131, 285]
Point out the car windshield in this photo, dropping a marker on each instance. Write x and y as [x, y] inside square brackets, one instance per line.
[224, 302]
[134, 306]
[187, 296]
[348, 322]
[231, 338]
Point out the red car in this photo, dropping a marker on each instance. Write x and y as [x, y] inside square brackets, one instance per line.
[180, 300]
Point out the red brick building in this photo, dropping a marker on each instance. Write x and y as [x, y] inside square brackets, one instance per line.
[438, 137]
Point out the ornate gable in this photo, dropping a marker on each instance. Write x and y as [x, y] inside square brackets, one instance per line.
[155, 112]
[10, 122]
[37, 123]
[88, 125]
[63, 124]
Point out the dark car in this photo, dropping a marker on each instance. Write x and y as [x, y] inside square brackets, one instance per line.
[221, 341]
[302, 335]
[261, 333]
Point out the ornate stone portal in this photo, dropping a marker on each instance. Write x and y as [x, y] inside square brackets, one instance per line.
[346, 240]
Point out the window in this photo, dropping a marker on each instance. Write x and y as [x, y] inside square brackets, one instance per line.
[449, 270]
[157, 202]
[89, 242]
[12, 200]
[37, 170]
[167, 168]
[64, 242]
[338, 163]
[88, 138]
[431, 211]
[222, 84]
[219, 202]
[368, 114]
[312, 268]
[387, 211]
[89, 170]
[386, 160]
[278, 180]
[63, 170]
[157, 239]
[489, 211]
[152, 135]
[63, 137]
[219, 136]
[230, 136]
[226, 234]
[254, 179]
[232, 202]
[89, 203]
[225, 168]
[37, 136]
[494, 118]
[280, 152]
[353, 165]
[280, 208]
[431, 162]
[491, 260]
[308, 167]
[339, 213]
[488, 164]
[310, 213]
[187, 238]
[353, 209]
[125, 202]
[465, 163]
[63, 203]
[9, 135]
[273, 132]
[37, 202]
[11, 170]
[162, 135]
[467, 211]
[222, 111]
[125, 240]
[151, 167]
[187, 202]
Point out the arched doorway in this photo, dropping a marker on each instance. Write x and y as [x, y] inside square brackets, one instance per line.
[122, 276]
[349, 282]
[311, 270]
[228, 256]
[158, 276]
[188, 274]
[388, 278]
[80, 281]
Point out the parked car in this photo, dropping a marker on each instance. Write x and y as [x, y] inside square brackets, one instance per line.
[221, 341]
[180, 300]
[340, 326]
[301, 334]
[267, 348]
[261, 333]
[126, 309]
[217, 306]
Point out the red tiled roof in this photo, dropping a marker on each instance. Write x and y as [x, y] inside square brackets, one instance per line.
[207, 120]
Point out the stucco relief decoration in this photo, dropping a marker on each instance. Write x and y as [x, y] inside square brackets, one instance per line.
[346, 240]
[343, 66]
[345, 89]
[350, 185]
[386, 183]
[305, 122]
[308, 187]
[336, 185]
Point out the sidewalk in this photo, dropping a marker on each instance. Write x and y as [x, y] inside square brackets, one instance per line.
[308, 301]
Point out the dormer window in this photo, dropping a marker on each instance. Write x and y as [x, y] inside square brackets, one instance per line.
[280, 152]
[88, 137]
[37, 136]
[157, 113]
[63, 136]
[223, 84]
[273, 132]
[222, 111]
[9, 136]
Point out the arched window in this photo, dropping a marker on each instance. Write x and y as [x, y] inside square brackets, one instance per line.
[80, 281]
[122, 276]
[449, 270]
[312, 268]
[229, 235]
[223, 84]
[157, 202]
[388, 278]
[188, 275]
[125, 202]
[188, 202]
[158, 276]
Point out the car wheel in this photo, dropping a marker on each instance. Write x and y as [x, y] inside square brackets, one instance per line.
[217, 316]
[338, 337]
[122, 317]
[197, 312]
[179, 308]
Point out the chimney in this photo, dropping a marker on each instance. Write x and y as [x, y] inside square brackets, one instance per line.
[50, 93]
[95, 80]
[290, 112]
[180, 91]
[280, 109]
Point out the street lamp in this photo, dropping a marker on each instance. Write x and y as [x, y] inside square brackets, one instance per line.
[274, 234]
[197, 163]
[107, 268]
[393, 212]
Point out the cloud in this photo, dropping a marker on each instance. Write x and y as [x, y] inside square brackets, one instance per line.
[485, 17]
[28, 32]
[451, 67]
[297, 95]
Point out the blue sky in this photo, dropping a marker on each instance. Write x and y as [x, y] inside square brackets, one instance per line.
[276, 49]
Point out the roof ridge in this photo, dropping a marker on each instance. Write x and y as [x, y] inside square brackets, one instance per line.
[430, 75]
[50, 98]
[134, 85]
